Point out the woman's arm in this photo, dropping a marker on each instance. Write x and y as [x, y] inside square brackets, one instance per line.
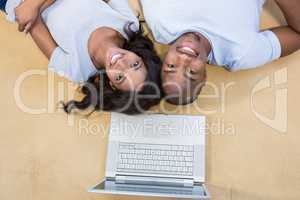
[43, 38]
[289, 36]
[28, 11]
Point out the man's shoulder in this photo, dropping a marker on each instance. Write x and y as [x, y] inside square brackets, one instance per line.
[230, 51]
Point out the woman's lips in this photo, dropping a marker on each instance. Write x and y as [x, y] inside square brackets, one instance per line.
[114, 58]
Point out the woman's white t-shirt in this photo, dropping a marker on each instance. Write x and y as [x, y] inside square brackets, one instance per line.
[71, 23]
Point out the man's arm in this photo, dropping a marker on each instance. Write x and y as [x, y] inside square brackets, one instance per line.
[291, 11]
[289, 36]
[43, 39]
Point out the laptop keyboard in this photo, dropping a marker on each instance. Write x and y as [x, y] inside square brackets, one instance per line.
[156, 159]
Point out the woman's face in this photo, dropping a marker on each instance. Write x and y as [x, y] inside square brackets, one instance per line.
[126, 70]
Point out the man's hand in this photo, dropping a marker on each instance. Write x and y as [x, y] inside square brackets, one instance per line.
[26, 15]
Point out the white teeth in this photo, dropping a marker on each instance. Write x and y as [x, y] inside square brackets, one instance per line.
[189, 50]
[115, 58]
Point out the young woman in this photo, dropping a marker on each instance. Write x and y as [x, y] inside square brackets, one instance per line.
[90, 39]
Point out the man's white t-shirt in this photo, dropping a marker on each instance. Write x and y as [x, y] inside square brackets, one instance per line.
[71, 23]
[231, 26]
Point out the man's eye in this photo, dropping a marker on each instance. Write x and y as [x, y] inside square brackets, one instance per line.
[171, 66]
[192, 72]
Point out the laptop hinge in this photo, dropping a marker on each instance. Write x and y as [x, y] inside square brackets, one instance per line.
[154, 181]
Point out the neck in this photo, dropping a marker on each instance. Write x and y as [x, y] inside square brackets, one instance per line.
[99, 44]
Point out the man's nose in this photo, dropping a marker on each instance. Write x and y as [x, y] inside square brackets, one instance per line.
[184, 60]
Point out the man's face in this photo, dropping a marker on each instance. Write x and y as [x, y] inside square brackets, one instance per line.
[184, 68]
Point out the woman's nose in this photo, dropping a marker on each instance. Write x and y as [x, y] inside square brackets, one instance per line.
[123, 64]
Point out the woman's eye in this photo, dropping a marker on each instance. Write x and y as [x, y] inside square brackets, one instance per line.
[137, 64]
[119, 77]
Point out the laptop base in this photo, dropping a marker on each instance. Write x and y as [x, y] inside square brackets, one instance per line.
[111, 187]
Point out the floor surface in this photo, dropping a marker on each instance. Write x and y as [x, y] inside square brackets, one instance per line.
[252, 147]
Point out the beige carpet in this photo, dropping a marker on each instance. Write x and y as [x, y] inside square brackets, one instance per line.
[252, 148]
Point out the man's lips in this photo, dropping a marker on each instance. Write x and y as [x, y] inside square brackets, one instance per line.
[114, 58]
[188, 50]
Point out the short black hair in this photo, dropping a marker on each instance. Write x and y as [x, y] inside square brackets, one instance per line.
[102, 96]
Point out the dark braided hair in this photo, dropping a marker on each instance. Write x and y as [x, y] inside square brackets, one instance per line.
[100, 95]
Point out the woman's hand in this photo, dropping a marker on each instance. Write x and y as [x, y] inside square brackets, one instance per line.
[26, 15]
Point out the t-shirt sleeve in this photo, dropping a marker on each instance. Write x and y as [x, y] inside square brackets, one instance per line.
[10, 9]
[123, 7]
[71, 66]
[264, 48]
[59, 62]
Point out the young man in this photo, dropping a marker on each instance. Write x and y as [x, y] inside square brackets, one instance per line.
[224, 33]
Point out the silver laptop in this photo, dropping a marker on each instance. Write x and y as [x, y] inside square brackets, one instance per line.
[155, 155]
